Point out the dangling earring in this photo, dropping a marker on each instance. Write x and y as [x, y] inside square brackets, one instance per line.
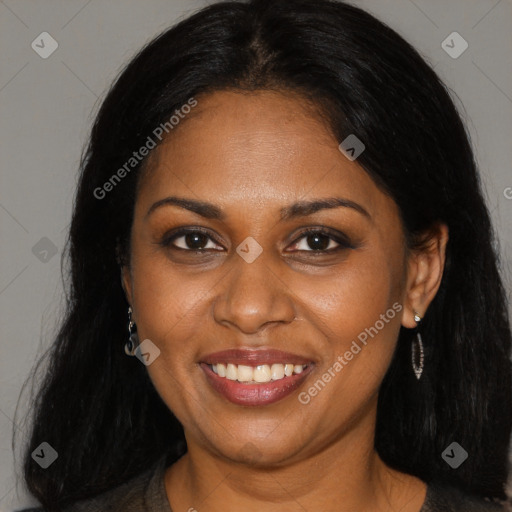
[417, 354]
[133, 338]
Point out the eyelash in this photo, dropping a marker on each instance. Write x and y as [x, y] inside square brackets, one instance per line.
[343, 243]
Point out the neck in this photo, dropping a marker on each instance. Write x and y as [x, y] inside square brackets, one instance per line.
[345, 475]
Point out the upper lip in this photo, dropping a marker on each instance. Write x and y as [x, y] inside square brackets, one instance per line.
[251, 357]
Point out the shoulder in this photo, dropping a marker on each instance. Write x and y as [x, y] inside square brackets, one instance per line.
[140, 494]
[444, 498]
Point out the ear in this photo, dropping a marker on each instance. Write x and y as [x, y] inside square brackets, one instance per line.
[126, 282]
[126, 278]
[424, 274]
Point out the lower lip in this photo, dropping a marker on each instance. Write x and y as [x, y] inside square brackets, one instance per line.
[255, 394]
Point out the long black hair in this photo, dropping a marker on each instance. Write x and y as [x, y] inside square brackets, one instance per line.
[98, 408]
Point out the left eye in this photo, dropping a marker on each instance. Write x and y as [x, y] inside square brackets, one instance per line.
[319, 241]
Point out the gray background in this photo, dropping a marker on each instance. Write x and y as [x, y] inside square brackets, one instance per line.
[46, 110]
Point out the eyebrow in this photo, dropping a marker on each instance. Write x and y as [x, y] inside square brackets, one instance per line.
[298, 209]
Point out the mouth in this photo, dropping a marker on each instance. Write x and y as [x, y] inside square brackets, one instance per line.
[255, 377]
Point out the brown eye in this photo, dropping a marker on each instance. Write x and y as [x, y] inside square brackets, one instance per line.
[189, 240]
[194, 240]
[320, 241]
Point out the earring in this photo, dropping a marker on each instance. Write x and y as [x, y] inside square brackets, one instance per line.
[417, 354]
[133, 338]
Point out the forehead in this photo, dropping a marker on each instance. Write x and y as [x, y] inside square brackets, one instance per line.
[249, 149]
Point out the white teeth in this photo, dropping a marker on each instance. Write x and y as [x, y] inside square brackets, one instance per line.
[277, 371]
[261, 373]
[231, 372]
[245, 373]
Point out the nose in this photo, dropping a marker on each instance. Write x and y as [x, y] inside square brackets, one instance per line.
[252, 297]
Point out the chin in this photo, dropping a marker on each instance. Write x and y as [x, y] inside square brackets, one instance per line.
[259, 453]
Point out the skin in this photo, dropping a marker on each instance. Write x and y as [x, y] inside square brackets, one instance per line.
[252, 154]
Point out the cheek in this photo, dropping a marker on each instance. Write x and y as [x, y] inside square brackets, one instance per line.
[351, 299]
[171, 313]
[164, 296]
[359, 322]
[358, 313]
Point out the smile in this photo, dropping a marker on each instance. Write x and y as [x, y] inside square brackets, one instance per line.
[255, 377]
[258, 374]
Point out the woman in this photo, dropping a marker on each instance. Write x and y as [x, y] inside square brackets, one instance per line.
[281, 202]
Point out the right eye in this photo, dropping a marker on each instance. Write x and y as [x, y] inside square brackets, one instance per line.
[192, 240]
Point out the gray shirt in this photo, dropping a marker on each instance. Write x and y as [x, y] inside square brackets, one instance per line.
[146, 493]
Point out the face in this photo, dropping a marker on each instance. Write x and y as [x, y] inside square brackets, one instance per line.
[253, 275]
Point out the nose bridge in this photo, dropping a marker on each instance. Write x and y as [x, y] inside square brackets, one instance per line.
[252, 294]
